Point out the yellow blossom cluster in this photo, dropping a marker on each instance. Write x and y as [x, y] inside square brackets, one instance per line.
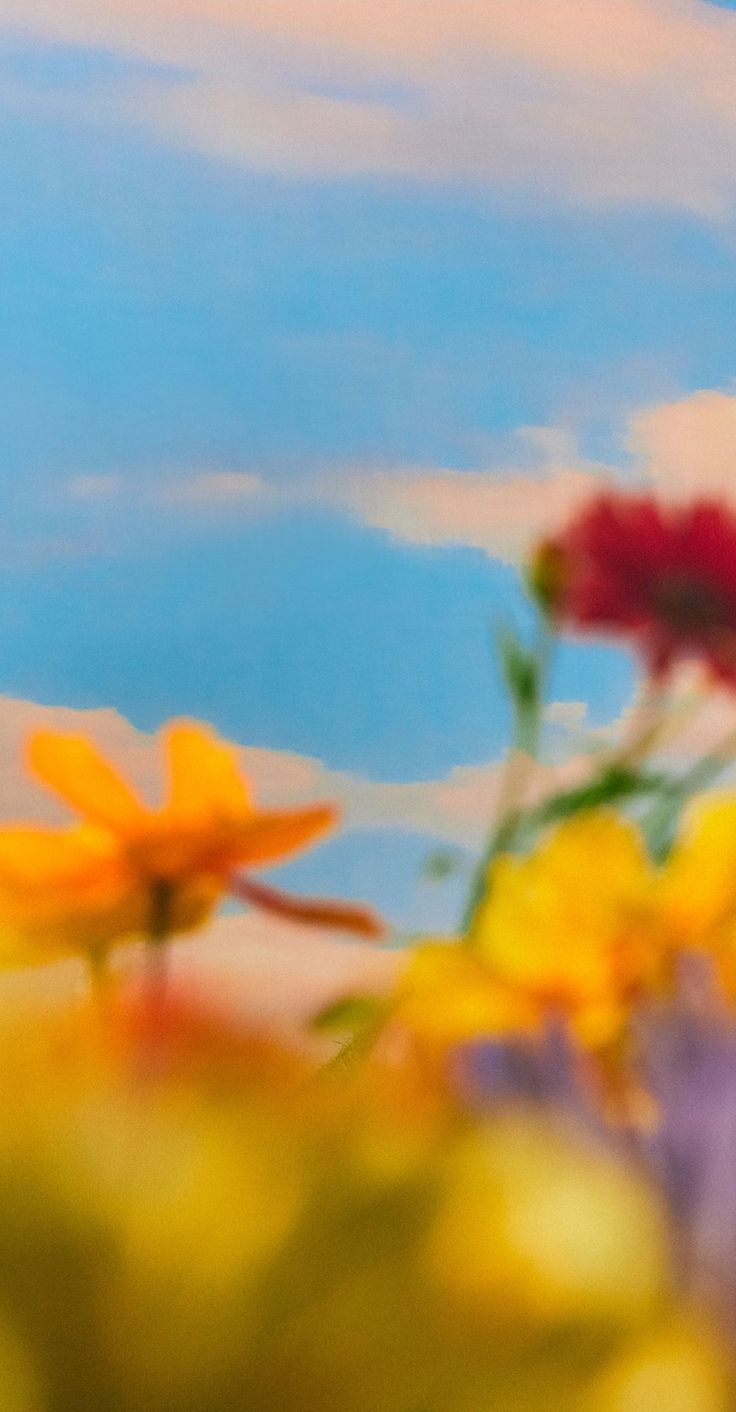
[583, 930]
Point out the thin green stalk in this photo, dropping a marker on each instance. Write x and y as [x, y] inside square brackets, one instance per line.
[612, 785]
[618, 777]
[660, 824]
[519, 764]
[649, 719]
[358, 1047]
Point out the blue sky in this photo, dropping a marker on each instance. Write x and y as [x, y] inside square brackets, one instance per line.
[165, 312]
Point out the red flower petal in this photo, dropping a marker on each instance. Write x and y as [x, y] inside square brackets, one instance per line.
[663, 576]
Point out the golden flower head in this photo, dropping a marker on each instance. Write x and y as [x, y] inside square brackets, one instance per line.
[571, 932]
[574, 925]
[128, 869]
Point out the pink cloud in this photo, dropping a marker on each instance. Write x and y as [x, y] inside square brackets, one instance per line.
[503, 511]
[212, 489]
[276, 976]
[277, 776]
[294, 133]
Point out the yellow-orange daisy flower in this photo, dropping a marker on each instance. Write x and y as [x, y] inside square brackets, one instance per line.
[127, 869]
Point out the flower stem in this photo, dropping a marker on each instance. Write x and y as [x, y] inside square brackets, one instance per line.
[647, 723]
[517, 770]
[660, 825]
[159, 928]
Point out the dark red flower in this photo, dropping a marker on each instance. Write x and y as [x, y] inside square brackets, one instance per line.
[663, 576]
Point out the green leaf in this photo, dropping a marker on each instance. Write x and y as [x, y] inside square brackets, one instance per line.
[521, 670]
[614, 784]
[519, 829]
[349, 1015]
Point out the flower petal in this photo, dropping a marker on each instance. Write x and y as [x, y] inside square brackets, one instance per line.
[74, 769]
[698, 887]
[38, 859]
[204, 774]
[446, 996]
[274, 835]
[68, 889]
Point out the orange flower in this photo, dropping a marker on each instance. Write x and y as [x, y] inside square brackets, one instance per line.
[127, 869]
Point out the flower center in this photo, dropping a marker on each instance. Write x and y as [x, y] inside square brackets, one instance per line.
[689, 605]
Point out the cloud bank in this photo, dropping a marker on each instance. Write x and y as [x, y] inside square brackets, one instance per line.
[454, 810]
[680, 449]
[621, 102]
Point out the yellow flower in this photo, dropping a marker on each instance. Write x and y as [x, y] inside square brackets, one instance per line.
[699, 883]
[574, 926]
[448, 995]
[679, 1365]
[127, 869]
[698, 887]
[532, 1227]
[571, 932]
[67, 889]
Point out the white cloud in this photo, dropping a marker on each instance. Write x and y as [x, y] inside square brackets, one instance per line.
[682, 449]
[617, 102]
[688, 447]
[226, 489]
[499, 513]
[455, 809]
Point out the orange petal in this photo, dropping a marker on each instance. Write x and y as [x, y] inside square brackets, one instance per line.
[204, 774]
[320, 912]
[272, 836]
[74, 769]
[68, 889]
[44, 859]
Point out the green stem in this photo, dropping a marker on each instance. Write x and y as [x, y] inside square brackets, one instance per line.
[660, 824]
[617, 777]
[649, 720]
[517, 770]
[609, 786]
[707, 770]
